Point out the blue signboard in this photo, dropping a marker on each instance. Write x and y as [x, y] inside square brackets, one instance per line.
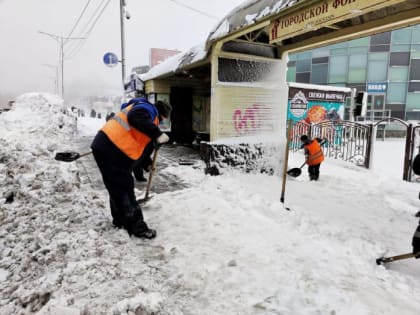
[110, 59]
[377, 87]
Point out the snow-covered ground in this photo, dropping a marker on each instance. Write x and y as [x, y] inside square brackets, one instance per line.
[225, 244]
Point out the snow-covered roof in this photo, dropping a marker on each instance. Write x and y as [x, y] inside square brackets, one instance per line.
[243, 15]
[247, 14]
[176, 62]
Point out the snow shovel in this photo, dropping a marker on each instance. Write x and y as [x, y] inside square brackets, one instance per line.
[69, 156]
[295, 172]
[394, 258]
[149, 181]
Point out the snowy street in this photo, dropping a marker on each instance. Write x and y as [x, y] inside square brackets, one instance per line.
[225, 244]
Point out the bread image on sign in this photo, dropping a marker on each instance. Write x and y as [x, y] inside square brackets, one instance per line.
[316, 114]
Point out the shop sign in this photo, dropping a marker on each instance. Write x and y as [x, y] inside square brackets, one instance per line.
[377, 87]
[322, 14]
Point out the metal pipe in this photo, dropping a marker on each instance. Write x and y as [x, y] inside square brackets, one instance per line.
[122, 4]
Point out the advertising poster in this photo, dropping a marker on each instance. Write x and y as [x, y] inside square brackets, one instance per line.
[315, 106]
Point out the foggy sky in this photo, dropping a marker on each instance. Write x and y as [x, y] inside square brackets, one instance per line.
[29, 59]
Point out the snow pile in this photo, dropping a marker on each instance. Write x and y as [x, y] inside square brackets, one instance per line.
[38, 115]
[59, 253]
[36, 199]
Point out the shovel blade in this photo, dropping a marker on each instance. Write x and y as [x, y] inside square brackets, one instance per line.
[145, 199]
[294, 172]
[68, 156]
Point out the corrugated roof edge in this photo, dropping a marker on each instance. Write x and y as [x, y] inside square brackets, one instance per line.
[247, 14]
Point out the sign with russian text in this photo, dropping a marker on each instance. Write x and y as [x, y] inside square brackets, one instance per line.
[322, 14]
[315, 106]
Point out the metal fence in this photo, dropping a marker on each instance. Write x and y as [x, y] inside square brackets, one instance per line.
[346, 140]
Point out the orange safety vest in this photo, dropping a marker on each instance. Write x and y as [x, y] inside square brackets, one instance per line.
[315, 155]
[129, 140]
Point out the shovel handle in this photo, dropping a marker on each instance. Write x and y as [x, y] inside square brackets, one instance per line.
[394, 258]
[152, 171]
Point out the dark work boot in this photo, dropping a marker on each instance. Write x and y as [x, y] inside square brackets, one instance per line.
[148, 234]
[141, 230]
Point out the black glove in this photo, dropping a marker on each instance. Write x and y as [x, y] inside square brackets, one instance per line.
[416, 242]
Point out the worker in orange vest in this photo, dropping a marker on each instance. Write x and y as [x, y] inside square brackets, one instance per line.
[313, 154]
[415, 242]
[117, 147]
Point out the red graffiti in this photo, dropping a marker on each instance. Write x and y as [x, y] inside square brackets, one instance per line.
[250, 120]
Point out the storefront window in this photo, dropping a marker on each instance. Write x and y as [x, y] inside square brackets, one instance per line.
[339, 51]
[358, 50]
[413, 115]
[338, 69]
[377, 70]
[303, 77]
[401, 36]
[357, 68]
[415, 51]
[415, 38]
[396, 92]
[399, 59]
[360, 42]
[378, 56]
[304, 55]
[413, 101]
[380, 42]
[357, 75]
[291, 74]
[319, 74]
[398, 73]
[303, 65]
[414, 86]
[400, 47]
[415, 69]
[321, 52]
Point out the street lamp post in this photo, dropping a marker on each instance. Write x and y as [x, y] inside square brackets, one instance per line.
[123, 12]
[61, 40]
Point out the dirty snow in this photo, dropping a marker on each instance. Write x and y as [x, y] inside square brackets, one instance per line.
[225, 244]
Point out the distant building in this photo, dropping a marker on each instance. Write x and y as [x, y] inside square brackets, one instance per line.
[134, 87]
[157, 55]
[386, 65]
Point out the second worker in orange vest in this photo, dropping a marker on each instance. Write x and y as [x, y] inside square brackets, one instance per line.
[313, 154]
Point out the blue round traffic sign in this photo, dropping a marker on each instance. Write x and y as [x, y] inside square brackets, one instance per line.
[110, 59]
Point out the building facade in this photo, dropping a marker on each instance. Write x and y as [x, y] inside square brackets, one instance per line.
[386, 65]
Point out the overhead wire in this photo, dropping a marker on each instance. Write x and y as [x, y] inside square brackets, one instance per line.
[90, 25]
[85, 34]
[84, 30]
[195, 10]
[78, 20]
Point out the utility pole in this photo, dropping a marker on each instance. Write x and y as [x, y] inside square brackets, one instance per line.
[61, 41]
[122, 13]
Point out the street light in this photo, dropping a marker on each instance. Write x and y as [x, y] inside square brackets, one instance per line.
[61, 40]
